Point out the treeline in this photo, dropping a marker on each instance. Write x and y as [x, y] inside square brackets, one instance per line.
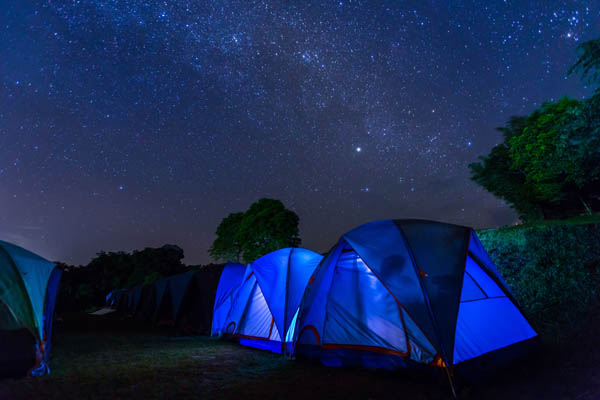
[85, 287]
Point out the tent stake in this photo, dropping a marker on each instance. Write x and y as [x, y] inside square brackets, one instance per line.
[451, 383]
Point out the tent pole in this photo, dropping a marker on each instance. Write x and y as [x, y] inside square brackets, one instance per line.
[451, 382]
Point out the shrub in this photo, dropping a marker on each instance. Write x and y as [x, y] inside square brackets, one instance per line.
[553, 271]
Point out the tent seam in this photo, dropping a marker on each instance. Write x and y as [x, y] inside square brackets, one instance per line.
[423, 291]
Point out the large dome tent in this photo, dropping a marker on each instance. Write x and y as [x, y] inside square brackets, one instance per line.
[28, 287]
[401, 293]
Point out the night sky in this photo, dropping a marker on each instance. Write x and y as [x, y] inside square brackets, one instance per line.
[126, 124]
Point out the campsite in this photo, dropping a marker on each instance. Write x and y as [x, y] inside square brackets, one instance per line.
[153, 341]
[272, 199]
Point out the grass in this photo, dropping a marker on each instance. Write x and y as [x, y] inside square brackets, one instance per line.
[105, 357]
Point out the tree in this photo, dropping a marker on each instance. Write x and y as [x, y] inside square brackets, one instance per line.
[552, 151]
[226, 246]
[494, 173]
[549, 163]
[266, 226]
[588, 64]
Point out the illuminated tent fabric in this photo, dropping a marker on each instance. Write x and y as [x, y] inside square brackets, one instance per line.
[395, 293]
[113, 298]
[229, 282]
[28, 287]
[267, 301]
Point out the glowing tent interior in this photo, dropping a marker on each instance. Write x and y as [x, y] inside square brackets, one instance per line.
[397, 293]
[264, 306]
[28, 286]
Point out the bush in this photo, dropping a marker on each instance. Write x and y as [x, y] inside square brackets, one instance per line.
[553, 271]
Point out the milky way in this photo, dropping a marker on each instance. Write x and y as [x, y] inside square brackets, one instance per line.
[127, 124]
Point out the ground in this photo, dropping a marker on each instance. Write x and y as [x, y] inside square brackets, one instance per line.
[107, 357]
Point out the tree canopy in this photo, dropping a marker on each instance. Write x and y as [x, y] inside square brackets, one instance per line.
[588, 64]
[266, 226]
[227, 245]
[548, 165]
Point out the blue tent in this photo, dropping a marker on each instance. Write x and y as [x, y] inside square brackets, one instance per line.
[28, 287]
[229, 282]
[265, 305]
[399, 293]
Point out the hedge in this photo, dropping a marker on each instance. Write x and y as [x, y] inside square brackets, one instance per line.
[553, 271]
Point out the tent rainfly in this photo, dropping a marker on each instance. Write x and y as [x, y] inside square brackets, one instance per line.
[28, 287]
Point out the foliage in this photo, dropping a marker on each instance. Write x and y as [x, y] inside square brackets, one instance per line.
[588, 64]
[85, 287]
[494, 173]
[559, 154]
[549, 163]
[553, 270]
[227, 246]
[266, 226]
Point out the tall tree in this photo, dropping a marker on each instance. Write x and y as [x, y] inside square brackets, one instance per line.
[494, 173]
[267, 226]
[227, 246]
[549, 163]
[246, 236]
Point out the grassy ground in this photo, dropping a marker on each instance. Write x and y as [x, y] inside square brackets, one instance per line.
[104, 357]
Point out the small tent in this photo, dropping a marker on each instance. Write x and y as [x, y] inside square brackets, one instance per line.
[399, 293]
[28, 287]
[160, 288]
[134, 296]
[229, 282]
[147, 305]
[195, 312]
[174, 289]
[266, 303]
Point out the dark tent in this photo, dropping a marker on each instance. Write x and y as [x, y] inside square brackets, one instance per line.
[175, 288]
[160, 288]
[147, 305]
[28, 286]
[195, 313]
[122, 302]
[398, 293]
[134, 297]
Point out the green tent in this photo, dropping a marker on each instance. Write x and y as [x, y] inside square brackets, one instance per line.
[28, 286]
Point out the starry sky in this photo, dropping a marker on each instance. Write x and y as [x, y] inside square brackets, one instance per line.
[126, 124]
